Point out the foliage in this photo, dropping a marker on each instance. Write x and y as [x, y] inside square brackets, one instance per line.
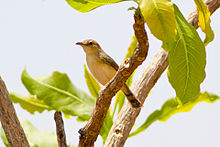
[171, 107]
[92, 84]
[57, 92]
[85, 5]
[160, 18]
[187, 61]
[35, 137]
[204, 20]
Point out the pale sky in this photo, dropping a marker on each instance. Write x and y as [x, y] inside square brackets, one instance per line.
[40, 35]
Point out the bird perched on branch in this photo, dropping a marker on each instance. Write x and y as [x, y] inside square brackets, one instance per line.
[103, 67]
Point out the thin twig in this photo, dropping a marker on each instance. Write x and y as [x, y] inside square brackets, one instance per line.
[61, 136]
[89, 133]
[10, 123]
[127, 116]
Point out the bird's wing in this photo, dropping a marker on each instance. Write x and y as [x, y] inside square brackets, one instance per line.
[109, 60]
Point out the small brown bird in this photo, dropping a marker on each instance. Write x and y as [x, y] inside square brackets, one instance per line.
[103, 67]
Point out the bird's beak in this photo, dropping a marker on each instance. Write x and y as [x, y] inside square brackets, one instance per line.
[80, 43]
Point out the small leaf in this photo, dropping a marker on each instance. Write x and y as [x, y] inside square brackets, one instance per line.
[171, 107]
[108, 122]
[4, 139]
[187, 60]
[35, 137]
[30, 103]
[92, 84]
[120, 97]
[160, 18]
[132, 47]
[119, 102]
[88, 5]
[59, 93]
[204, 20]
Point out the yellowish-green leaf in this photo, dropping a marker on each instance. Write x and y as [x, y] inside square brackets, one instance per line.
[35, 137]
[160, 18]
[92, 84]
[30, 103]
[204, 20]
[59, 93]
[88, 5]
[187, 60]
[132, 47]
[171, 107]
[119, 102]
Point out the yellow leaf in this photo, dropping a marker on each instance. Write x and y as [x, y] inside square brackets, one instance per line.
[204, 20]
[160, 18]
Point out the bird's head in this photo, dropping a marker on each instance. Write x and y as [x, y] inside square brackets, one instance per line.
[89, 46]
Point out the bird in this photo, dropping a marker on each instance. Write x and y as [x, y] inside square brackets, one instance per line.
[104, 68]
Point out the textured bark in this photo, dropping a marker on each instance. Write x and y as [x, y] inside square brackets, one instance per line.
[10, 123]
[127, 116]
[61, 136]
[90, 132]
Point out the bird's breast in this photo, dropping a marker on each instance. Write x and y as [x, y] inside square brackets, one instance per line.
[101, 71]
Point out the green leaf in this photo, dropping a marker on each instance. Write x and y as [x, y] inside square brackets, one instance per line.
[108, 122]
[204, 20]
[30, 103]
[88, 5]
[187, 60]
[171, 107]
[160, 18]
[35, 137]
[119, 102]
[92, 84]
[59, 93]
[4, 139]
[132, 47]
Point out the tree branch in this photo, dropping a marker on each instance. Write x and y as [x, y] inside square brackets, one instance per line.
[61, 136]
[89, 133]
[10, 123]
[127, 116]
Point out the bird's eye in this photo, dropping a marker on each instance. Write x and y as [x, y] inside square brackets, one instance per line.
[90, 43]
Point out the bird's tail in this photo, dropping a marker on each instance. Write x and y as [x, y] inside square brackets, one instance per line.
[130, 97]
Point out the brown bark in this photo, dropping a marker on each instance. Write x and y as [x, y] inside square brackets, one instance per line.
[10, 123]
[90, 132]
[127, 116]
[61, 136]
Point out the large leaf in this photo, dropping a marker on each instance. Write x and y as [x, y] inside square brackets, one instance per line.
[187, 60]
[35, 137]
[204, 20]
[92, 84]
[88, 5]
[106, 127]
[160, 18]
[172, 107]
[30, 103]
[94, 88]
[59, 93]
